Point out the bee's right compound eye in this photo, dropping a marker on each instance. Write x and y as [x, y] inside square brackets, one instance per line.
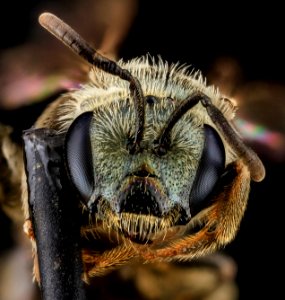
[211, 168]
[78, 155]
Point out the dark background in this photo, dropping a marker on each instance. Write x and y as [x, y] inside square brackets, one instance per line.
[198, 34]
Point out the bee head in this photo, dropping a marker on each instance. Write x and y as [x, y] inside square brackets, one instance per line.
[162, 184]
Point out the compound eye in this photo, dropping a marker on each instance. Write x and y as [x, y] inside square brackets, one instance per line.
[211, 167]
[78, 155]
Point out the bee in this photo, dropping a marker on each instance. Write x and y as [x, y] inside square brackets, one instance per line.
[160, 172]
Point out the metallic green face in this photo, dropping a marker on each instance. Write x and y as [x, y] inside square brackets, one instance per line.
[128, 181]
[140, 194]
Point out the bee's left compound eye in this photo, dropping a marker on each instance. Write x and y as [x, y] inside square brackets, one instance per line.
[78, 155]
[211, 167]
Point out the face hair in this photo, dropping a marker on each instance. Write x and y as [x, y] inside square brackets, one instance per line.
[74, 41]
[162, 142]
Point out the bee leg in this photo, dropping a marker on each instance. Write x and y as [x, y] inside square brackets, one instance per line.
[29, 231]
[99, 264]
[220, 221]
